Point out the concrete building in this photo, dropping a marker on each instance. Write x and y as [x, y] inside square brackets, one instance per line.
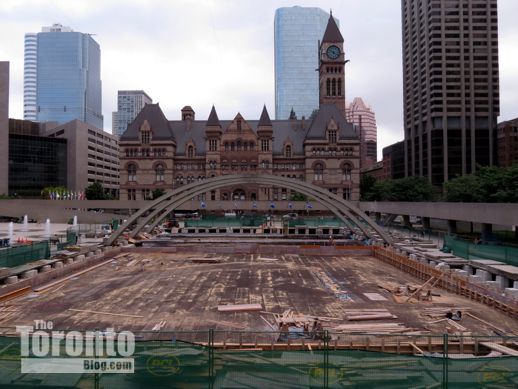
[129, 104]
[394, 161]
[161, 153]
[364, 117]
[30, 60]
[4, 127]
[507, 143]
[92, 155]
[35, 161]
[63, 73]
[297, 31]
[451, 86]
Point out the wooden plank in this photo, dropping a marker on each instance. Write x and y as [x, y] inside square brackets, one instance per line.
[379, 316]
[419, 289]
[240, 307]
[15, 293]
[500, 348]
[416, 348]
[104, 313]
[485, 322]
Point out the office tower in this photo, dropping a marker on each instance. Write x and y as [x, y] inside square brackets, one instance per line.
[129, 104]
[29, 76]
[507, 143]
[364, 117]
[297, 32]
[451, 86]
[68, 76]
[4, 127]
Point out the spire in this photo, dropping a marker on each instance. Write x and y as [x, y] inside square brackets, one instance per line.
[332, 33]
[264, 120]
[213, 119]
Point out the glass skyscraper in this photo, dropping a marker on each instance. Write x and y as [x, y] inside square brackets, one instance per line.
[297, 31]
[68, 77]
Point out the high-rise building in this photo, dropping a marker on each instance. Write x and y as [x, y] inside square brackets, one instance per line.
[508, 143]
[297, 32]
[63, 72]
[4, 127]
[129, 104]
[30, 58]
[451, 86]
[363, 116]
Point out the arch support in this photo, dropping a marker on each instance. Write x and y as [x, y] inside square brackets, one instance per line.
[160, 208]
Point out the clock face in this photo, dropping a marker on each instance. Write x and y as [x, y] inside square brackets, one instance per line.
[333, 52]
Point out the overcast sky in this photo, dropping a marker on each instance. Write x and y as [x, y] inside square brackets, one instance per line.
[204, 52]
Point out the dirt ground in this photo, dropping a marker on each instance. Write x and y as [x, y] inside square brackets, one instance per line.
[171, 289]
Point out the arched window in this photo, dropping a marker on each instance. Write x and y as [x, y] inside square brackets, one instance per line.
[339, 87]
[226, 146]
[333, 87]
[232, 146]
[252, 146]
[245, 146]
[132, 172]
[159, 173]
[212, 165]
[238, 145]
[328, 87]
[346, 172]
[238, 194]
[319, 171]
[265, 164]
[287, 151]
[190, 151]
[179, 180]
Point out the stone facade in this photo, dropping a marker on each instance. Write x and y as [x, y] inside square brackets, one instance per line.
[324, 150]
[4, 127]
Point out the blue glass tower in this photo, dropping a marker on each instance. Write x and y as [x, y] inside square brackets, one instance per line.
[297, 31]
[69, 78]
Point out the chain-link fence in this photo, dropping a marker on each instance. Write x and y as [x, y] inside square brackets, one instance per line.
[226, 359]
[24, 253]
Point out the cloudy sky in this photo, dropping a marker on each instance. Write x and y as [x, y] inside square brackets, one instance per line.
[204, 52]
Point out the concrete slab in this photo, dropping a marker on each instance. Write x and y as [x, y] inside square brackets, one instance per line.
[486, 262]
[509, 269]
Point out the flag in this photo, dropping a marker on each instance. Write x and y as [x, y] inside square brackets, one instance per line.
[290, 205]
[308, 205]
[272, 205]
[203, 205]
[254, 204]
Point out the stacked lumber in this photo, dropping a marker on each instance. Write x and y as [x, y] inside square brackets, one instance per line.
[368, 314]
[239, 307]
[205, 260]
[384, 328]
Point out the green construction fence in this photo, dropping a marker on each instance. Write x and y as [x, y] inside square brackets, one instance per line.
[469, 250]
[177, 362]
[21, 254]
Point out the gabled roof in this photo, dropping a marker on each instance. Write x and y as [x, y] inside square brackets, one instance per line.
[264, 120]
[213, 119]
[156, 119]
[317, 128]
[332, 33]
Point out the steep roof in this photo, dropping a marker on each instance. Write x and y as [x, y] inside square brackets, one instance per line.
[327, 112]
[213, 119]
[264, 120]
[156, 119]
[332, 33]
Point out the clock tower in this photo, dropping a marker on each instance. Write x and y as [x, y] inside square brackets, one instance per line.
[332, 67]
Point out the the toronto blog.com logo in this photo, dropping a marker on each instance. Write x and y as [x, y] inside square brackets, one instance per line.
[44, 350]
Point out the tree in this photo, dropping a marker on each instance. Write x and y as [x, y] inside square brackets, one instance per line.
[298, 197]
[95, 191]
[158, 192]
[58, 190]
[412, 189]
[367, 183]
[466, 189]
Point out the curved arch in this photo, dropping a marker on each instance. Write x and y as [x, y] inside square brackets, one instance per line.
[341, 208]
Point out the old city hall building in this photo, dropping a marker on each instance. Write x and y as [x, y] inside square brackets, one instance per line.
[323, 150]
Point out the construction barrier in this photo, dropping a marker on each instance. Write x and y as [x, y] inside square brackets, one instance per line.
[24, 253]
[175, 361]
[469, 250]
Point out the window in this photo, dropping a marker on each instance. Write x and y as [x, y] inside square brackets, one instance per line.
[226, 146]
[346, 171]
[132, 172]
[333, 87]
[265, 145]
[213, 145]
[159, 173]
[339, 87]
[212, 165]
[213, 195]
[319, 172]
[265, 164]
[190, 151]
[239, 125]
[132, 194]
[331, 136]
[252, 146]
[146, 137]
[328, 87]
[287, 151]
[346, 194]
[232, 146]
